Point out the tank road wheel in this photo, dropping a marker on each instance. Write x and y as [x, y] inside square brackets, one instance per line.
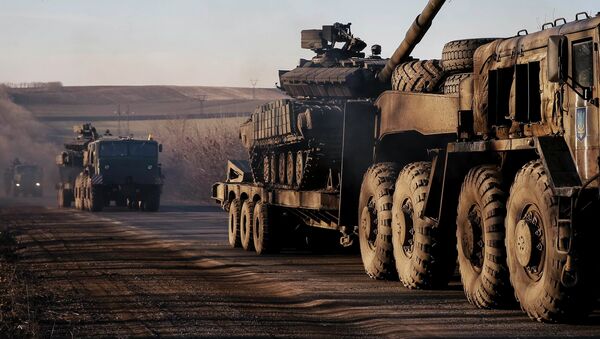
[281, 175]
[233, 230]
[95, 201]
[274, 169]
[457, 56]
[300, 160]
[246, 218]
[421, 260]
[480, 233]
[374, 232]
[534, 262]
[418, 76]
[263, 231]
[290, 168]
[267, 169]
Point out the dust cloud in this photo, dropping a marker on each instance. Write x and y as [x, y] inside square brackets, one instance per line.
[22, 136]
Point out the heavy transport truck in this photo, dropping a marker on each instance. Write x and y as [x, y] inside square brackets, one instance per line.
[489, 158]
[97, 170]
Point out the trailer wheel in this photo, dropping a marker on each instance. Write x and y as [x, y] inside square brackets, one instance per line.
[290, 169]
[480, 234]
[63, 197]
[418, 76]
[457, 56]
[422, 253]
[233, 230]
[265, 240]
[246, 218]
[374, 232]
[535, 264]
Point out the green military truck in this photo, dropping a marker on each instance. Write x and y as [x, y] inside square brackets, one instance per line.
[99, 170]
[488, 157]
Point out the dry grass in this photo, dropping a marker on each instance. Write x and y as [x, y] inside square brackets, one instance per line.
[196, 153]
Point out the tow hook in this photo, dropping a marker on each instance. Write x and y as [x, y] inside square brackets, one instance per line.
[569, 275]
[348, 236]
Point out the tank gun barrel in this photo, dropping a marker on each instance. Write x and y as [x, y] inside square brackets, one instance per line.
[415, 33]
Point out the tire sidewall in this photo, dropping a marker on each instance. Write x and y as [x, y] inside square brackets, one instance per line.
[525, 192]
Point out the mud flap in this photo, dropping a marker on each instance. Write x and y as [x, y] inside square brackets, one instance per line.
[357, 156]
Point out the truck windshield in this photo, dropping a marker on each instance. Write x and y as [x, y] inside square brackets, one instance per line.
[143, 149]
[113, 149]
[28, 170]
[128, 148]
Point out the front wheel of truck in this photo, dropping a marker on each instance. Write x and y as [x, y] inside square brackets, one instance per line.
[535, 264]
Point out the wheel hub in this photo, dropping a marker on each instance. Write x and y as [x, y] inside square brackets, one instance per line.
[524, 243]
[407, 232]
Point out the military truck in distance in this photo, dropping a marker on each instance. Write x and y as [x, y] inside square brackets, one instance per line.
[27, 180]
[495, 162]
[70, 163]
[97, 170]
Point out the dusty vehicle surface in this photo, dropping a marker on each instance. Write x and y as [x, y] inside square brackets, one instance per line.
[488, 157]
[96, 170]
[25, 180]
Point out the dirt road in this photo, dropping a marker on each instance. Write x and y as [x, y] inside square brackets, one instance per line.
[121, 273]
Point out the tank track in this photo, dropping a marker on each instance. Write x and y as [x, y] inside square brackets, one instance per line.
[320, 150]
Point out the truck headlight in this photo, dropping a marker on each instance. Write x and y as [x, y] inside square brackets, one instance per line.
[18, 185]
[149, 167]
[106, 167]
[37, 184]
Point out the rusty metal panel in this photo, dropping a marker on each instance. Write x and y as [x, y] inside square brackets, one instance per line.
[556, 157]
[421, 112]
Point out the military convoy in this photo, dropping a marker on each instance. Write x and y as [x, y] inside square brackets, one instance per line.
[22, 179]
[488, 157]
[97, 170]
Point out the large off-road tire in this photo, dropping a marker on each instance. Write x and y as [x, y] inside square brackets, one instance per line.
[246, 218]
[151, 201]
[418, 76]
[95, 201]
[452, 82]
[534, 262]
[263, 232]
[64, 198]
[480, 234]
[233, 229]
[375, 213]
[419, 252]
[457, 56]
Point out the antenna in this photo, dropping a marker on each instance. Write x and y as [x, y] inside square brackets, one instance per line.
[118, 113]
[253, 82]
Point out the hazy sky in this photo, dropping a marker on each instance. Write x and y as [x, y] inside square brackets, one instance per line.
[226, 42]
